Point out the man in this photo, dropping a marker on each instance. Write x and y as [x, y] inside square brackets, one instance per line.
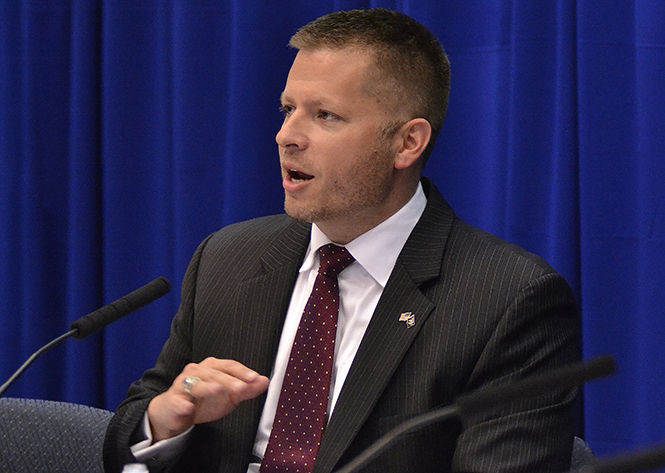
[426, 308]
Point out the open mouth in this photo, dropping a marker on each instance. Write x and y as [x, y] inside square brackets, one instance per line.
[297, 176]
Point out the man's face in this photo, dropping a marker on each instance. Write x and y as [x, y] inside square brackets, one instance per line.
[337, 165]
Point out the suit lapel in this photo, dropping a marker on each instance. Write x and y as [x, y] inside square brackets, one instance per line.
[267, 295]
[261, 305]
[387, 339]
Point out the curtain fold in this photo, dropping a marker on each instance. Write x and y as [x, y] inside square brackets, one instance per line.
[129, 131]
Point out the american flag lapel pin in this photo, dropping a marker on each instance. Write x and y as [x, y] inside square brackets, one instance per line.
[409, 318]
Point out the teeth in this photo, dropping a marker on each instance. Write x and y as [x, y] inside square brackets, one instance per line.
[297, 176]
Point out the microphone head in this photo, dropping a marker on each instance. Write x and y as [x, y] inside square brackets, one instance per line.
[97, 320]
[566, 377]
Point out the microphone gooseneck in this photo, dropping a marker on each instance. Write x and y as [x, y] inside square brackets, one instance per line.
[97, 320]
[565, 377]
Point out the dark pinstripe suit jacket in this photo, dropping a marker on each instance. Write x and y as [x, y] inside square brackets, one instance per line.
[486, 313]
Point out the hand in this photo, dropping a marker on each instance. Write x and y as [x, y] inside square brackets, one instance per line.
[222, 385]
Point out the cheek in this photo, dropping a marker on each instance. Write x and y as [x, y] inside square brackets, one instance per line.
[336, 159]
[351, 157]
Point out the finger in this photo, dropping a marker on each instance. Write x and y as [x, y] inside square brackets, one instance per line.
[224, 385]
[200, 383]
[181, 407]
[189, 383]
[226, 376]
[231, 367]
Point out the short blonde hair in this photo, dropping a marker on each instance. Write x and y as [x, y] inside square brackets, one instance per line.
[412, 66]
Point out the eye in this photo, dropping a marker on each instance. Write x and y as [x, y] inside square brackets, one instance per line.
[326, 115]
[286, 110]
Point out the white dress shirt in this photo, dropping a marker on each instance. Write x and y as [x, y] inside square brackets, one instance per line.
[360, 287]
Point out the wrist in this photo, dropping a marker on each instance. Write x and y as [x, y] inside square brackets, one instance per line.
[159, 428]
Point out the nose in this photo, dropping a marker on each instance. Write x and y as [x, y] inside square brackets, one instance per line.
[292, 133]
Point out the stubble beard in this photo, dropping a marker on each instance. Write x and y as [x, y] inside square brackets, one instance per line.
[353, 199]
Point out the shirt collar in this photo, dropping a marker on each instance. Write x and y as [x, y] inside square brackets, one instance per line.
[377, 249]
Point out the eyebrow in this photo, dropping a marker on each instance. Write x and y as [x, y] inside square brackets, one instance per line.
[318, 103]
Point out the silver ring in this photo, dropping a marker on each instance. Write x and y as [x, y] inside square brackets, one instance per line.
[189, 383]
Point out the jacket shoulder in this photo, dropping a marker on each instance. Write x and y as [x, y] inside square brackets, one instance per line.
[254, 234]
[481, 250]
[242, 248]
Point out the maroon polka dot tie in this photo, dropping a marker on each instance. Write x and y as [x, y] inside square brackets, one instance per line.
[303, 402]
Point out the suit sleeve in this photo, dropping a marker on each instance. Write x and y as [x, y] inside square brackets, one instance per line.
[537, 333]
[176, 353]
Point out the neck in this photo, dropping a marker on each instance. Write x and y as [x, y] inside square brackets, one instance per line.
[347, 228]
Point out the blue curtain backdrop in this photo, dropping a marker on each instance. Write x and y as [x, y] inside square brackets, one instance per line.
[129, 130]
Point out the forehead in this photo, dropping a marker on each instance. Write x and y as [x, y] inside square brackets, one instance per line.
[330, 71]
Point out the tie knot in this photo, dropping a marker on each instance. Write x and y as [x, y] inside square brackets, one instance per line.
[333, 259]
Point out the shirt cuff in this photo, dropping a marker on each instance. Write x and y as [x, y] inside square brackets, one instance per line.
[163, 451]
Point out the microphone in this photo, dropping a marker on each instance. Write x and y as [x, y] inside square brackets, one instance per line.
[645, 460]
[565, 377]
[97, 320]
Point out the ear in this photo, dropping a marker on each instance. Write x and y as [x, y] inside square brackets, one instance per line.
[412, 139]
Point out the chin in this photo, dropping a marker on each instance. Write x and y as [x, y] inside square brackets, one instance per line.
[299, 214]
[306, 214]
